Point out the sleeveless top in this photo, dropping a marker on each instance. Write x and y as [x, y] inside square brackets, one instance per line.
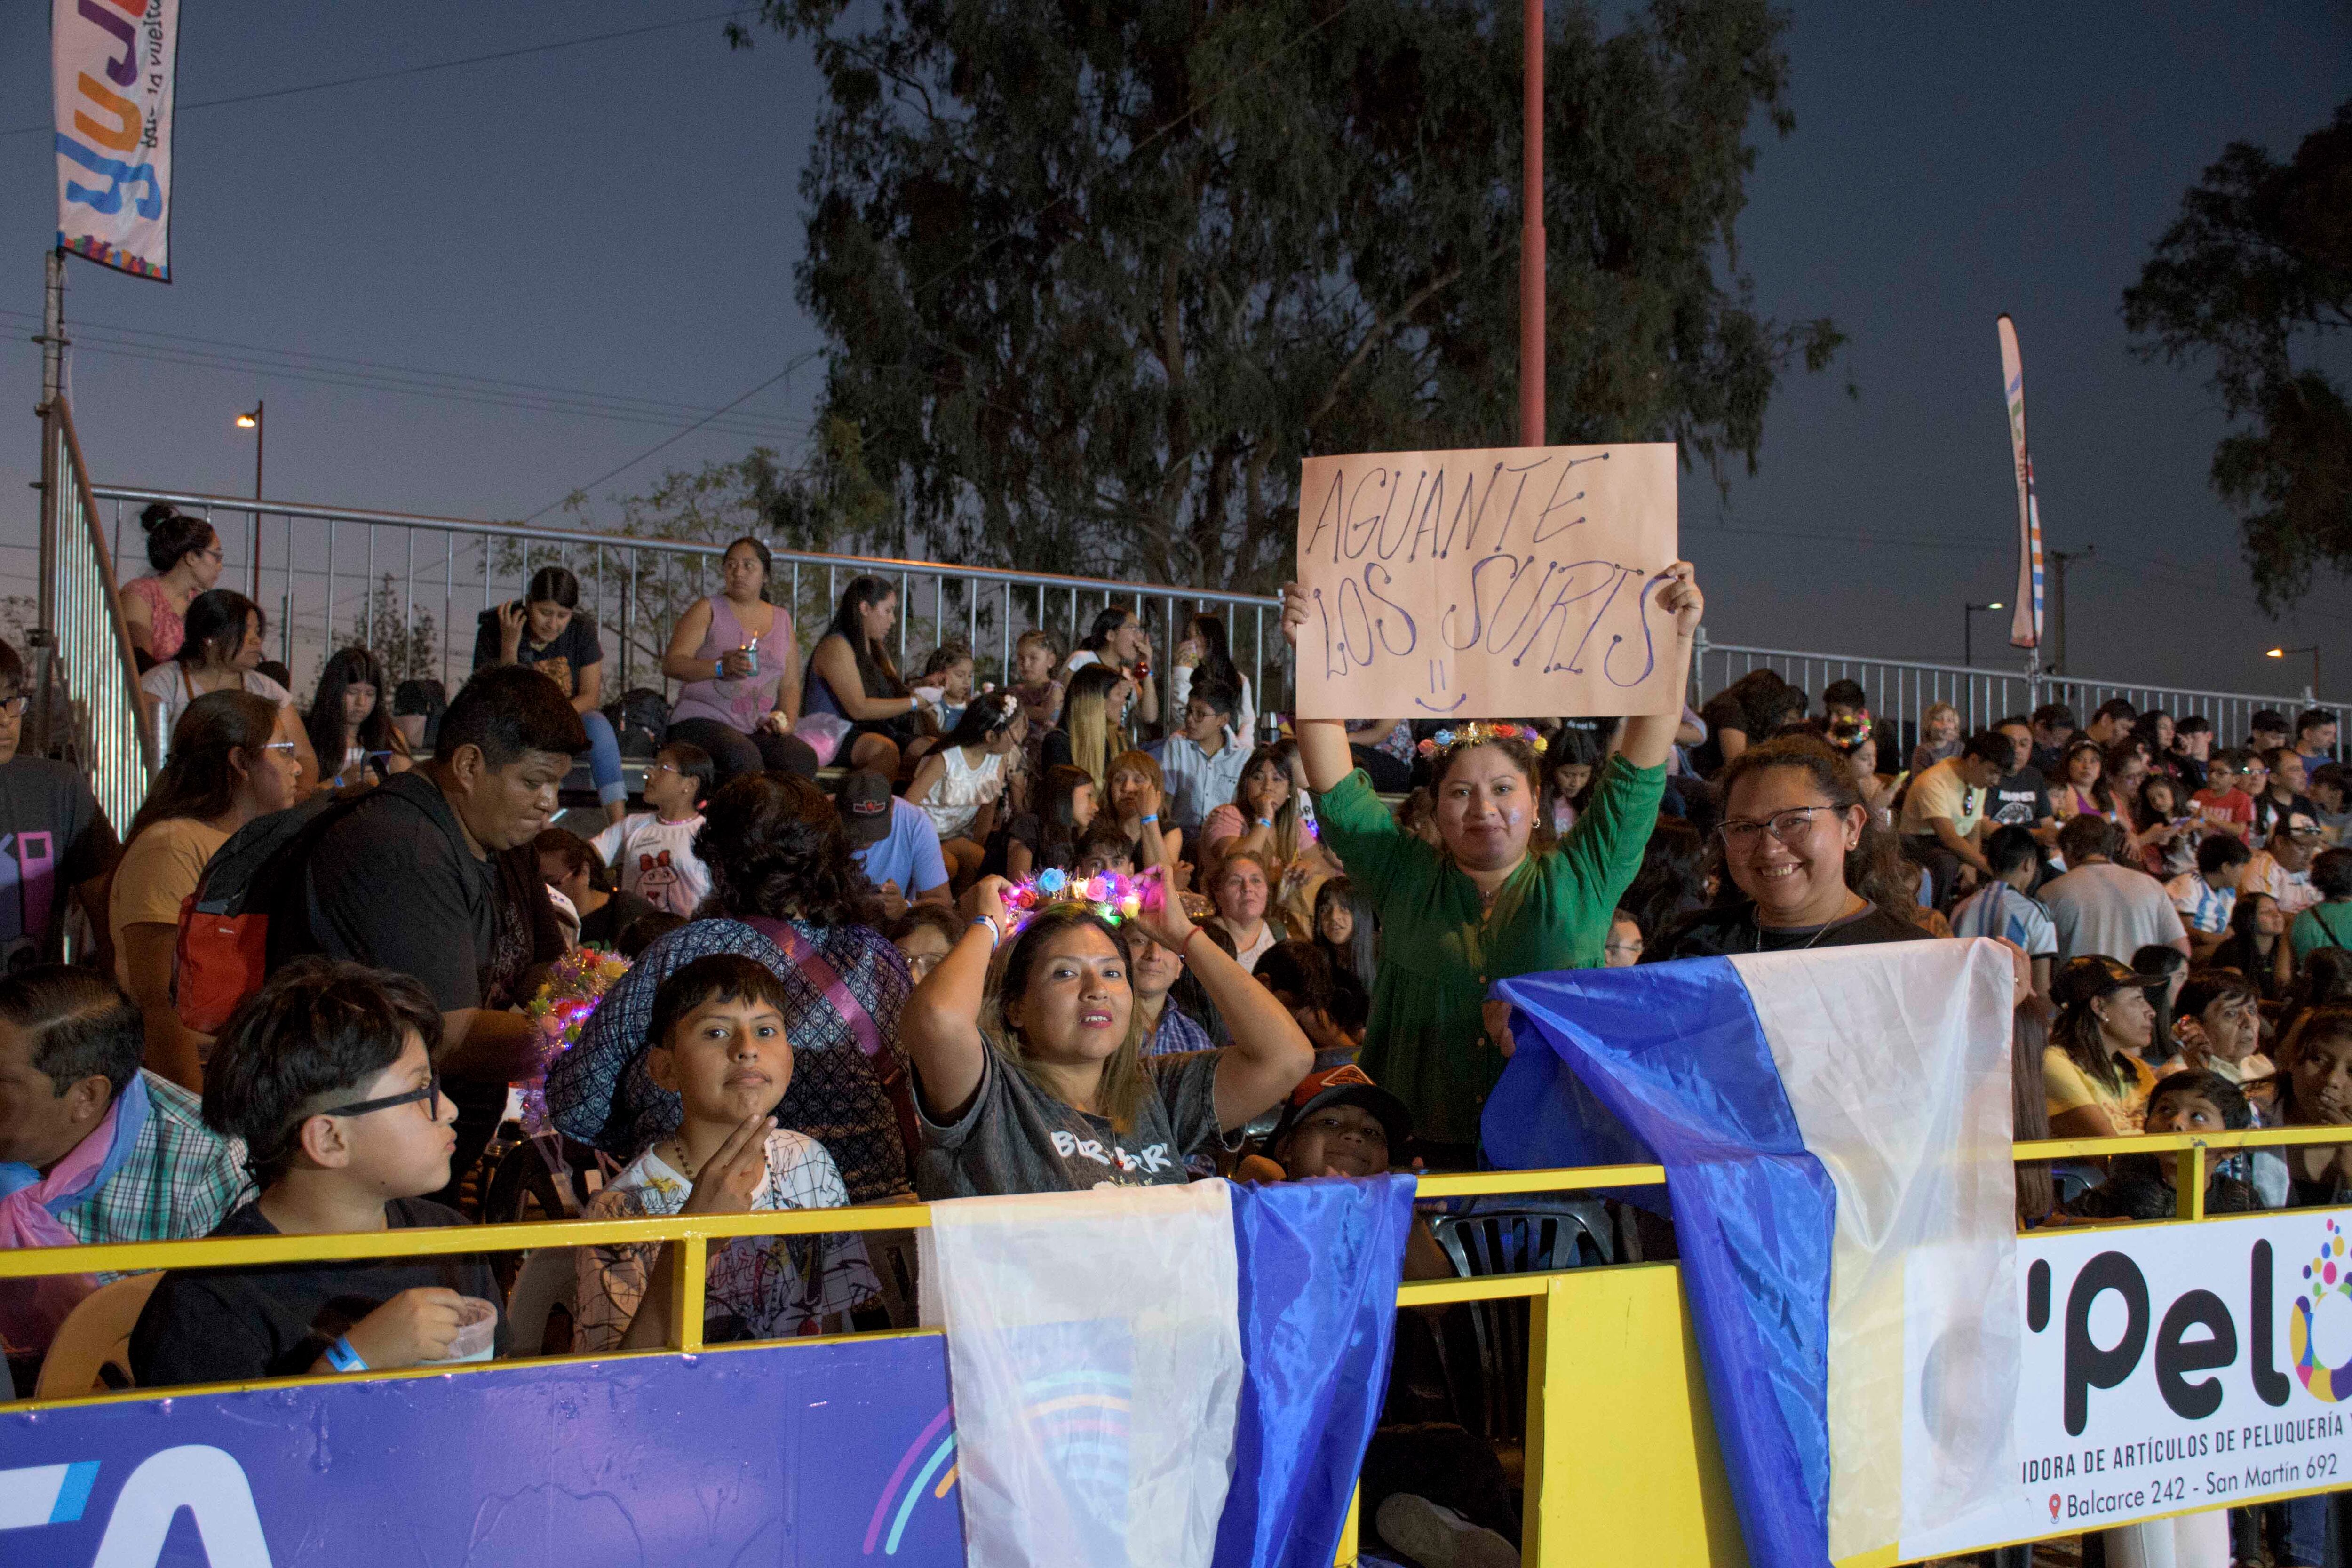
[955, 800]
[736, 704]
[168, 629]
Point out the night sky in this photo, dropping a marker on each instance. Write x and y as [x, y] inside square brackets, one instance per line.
[616, 224]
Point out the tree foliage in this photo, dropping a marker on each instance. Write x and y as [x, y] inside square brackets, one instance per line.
[2256, 273]
[1097, 274]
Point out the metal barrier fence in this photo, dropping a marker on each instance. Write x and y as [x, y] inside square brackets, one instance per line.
[83, 682]
[412, 586]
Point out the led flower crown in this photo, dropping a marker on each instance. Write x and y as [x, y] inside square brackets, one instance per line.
[1477, 734]
[575, 984]
[1109, 894]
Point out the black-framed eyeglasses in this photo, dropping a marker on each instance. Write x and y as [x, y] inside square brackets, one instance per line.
[1789, 826]
[430, 1091]
[14, 705]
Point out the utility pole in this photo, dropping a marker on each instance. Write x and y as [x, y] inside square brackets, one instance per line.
[53, 330]
[1531, 230]
[2059, 560]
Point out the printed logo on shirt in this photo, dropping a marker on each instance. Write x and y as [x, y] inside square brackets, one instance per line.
[1152, 1162]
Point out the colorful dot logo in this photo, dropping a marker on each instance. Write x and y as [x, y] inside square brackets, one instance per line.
[2326, 1275]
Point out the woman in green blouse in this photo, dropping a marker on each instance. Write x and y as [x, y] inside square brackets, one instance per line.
[1497, 898]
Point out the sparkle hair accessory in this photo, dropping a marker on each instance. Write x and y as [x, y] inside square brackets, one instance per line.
[1477, 734]
[1111, 895]
[575, 985]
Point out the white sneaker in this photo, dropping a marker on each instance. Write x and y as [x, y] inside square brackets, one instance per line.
[1438, 1537]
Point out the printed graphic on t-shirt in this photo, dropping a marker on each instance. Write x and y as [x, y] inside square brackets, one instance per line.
[558, 668]
[657, 882]
[1153, 1159]
[28, 864]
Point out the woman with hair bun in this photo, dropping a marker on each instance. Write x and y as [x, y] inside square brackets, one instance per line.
[186, 553]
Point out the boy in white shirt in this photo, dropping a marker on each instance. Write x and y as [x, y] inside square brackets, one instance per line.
[653, 851]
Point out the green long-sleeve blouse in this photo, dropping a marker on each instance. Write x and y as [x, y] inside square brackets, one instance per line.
[1426, 1039]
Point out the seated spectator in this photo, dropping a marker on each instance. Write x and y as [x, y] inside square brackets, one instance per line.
[923, 934]
[2225, 807]
[2258, 946]
[92, 1149]
[1943, 813]
[1263, 817]
[2255, 778]
[1047, 838]
[1204, 657]
[2054, 728]
[1201, 763]
[653, 850]
[186, 553]
[1623, 948]
[2004, 908]
[1036, 655]
[2111, 723]
[2207, 896]
[2284, 796]
[1572, 765]
[1384, 749]
[416, 709]
[741, 668]
[2168, 829]
[2314, 1089]
[45, 801]
[1094, 723]
[1844, 700]
[893, 841]
[1742, 714]
[2141, 1187]
[2101, 908]
[945, 686]
[2078, 780]
[223, 645]
[959, 782]
[2192, 747]
[852, 678]
[2266, 728]
[2093, 1075]
[1300, 978]
[2021, 798]
[1939, 738]
[1166, 1027]
[1040, 1083]
[2329, 799]
[431, 874]
[1136, 793]
[2217, 1026]
[718, 1041]
[2282, 868]
[327, 1075]
[2153, 733]
[1348, 930]
[646, 930]
[1675, 878]
[1242, 892]
[1117, 641]
[2315, 736]
[349, 724]
[2124, 770]
[226, 768]
[1103, 848]
[2327, 923]
[570, 865]
[1416, 816]
[2171, 965]
[545, 631]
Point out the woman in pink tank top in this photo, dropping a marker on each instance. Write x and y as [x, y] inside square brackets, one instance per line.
[186, 555]
[741, 669]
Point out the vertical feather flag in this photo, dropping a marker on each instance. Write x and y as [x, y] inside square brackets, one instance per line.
[112, 67]
[2025, 624]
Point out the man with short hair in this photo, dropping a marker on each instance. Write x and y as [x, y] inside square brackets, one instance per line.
[894, 841]
[2004, 908]
[2053, 726]
[2282, 867]
[2104, 908]
[2112, 722]
[1943, 816]
[1202, 762]
[2315, 736]
[1844, 700]
[2208, 895]
[2267, 729]
[2021, 797]
[2283, 794]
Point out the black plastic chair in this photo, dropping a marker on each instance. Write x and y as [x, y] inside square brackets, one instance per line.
[1571, 1232]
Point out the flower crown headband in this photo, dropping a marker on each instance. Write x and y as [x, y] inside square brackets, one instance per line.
[1477, 734]
[1111, 895]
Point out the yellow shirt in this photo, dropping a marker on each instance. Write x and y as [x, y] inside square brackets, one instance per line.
[2065, 1086]
[162, 867]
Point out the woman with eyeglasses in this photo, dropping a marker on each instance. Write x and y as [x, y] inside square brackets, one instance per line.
[221, 652]
[186, 555]
[228, 765]
[1805, 863]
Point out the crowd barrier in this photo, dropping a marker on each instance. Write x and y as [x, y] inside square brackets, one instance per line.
[1620, 1453]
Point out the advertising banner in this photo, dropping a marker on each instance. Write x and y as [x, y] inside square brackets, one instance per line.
[1487, 584]
[2165, 1369]
[2026, 621]
[821, 1454]
[111, 68]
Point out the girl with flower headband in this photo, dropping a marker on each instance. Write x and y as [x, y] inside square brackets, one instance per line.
[958, 782]
[1497, 895]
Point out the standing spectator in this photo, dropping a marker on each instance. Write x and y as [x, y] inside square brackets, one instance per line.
[1939, 738]
[2265, 730]
[742, 665]
[223, 645]
[893, 841]
[59, 844]
[2315, 737]
[545, 631]
[2102, 908]
[2112, 722]
[653, 851]
[2021, 797]
[351, 725]
[1118, 640]
[2192, 745]
[1943, 815]
[2208, 895]
[431, 874]
[186, 553]
[2226, 809]
[2327, 923]
[1202, 762]
[2053, 727]
[1203, 655]
[852, 677]
[2004, 908]
[226, 768]
[2282, 867]
[2093, 1073]
[570, 866]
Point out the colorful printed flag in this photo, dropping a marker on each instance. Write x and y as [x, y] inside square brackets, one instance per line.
[2025, 623]
[112, 65]
[1835, 1130]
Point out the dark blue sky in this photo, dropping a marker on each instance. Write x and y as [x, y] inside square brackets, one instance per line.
[621, 218]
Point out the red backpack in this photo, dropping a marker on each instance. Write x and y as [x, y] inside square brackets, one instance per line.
[224, 944]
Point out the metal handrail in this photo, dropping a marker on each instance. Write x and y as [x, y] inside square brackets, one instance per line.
[1984, 672]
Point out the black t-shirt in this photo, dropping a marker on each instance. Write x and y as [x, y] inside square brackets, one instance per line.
[2048, 761]
[2020, 800]
[1714, 933]
[2269, 813]
[222, 1325]
[1721, 714]
[1054, 749]
[575, 647]
[603, 928]
[57, 838]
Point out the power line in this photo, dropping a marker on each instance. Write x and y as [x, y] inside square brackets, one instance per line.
[422, 71]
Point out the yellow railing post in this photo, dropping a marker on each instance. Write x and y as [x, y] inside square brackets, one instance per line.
[687, 1284]
[1348, 1549]
[1544, 1523]
[2189, 1182]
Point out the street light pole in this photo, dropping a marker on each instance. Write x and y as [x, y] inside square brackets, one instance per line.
[2312, 694]
[2059, 560]
[1968, 630]
[255, 423]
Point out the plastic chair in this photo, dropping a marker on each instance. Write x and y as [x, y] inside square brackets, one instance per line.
[550, 1278]
[95, 1341]
[1569, 1234]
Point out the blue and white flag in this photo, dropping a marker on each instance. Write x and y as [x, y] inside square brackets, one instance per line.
[1166, 1377]
[1835, 1130]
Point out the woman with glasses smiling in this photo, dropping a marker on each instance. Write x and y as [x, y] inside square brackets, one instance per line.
[186, 555]
[1805, 863]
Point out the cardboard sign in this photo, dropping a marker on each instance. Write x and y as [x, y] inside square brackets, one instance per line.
[1515, 583]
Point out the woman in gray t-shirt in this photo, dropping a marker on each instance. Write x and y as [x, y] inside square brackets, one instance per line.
[1038, 1082]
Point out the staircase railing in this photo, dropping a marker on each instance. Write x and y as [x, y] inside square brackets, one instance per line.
[84, 679]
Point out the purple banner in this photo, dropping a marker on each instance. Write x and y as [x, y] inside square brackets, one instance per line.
[785, 1455]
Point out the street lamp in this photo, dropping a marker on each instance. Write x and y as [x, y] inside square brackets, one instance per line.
[253, 422]
[1968, 630]
[2314, 651]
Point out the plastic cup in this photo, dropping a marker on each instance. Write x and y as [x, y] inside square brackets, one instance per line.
[477, 1334]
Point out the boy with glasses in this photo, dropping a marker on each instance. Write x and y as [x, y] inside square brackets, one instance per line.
[58, 844]
[326, 1074]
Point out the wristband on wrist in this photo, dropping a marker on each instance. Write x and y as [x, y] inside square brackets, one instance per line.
[1151, 816]
[342, 1358]
[718, 669]
[994, 935]
[1265, 822]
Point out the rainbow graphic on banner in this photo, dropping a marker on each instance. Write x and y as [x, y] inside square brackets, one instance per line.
[1083, 1416]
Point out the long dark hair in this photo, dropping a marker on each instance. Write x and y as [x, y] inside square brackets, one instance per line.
[1873, 867]
[989, 714]
[1107, 619]
[2332, 1023]
[216, 623]
[172, 535]
[2157, 958]
[2241, 950]
[2077, 1034]
[876, 671]
[775, 847]
[2029, 1109]
[1123, 1078]
[1216, 655]
[1360, 956]
[198, 780]
[1672, 882]
[1057, 840]
[348, 667]
[553, 585]
[767, 560]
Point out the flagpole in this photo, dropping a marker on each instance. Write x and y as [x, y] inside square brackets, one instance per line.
[1531, 231]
